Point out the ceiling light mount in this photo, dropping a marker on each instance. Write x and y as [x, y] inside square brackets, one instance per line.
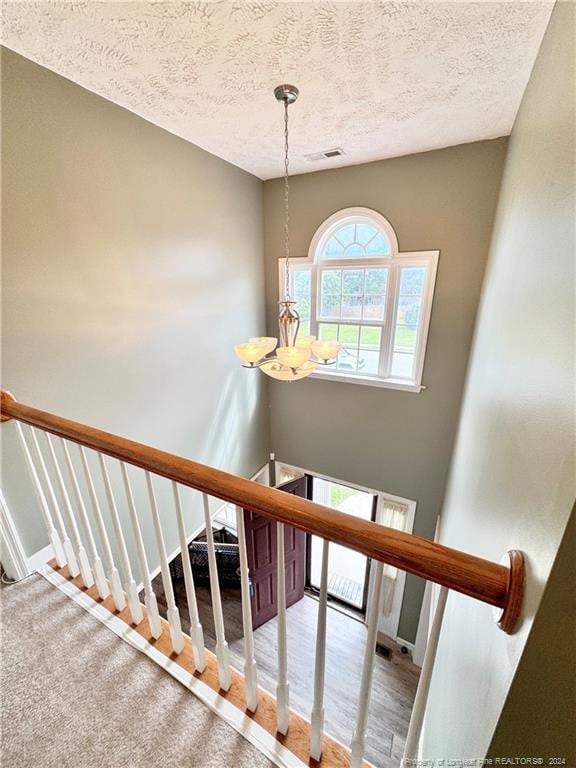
[287, 93]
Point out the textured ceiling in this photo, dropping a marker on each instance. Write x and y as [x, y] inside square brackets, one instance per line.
[378, 79]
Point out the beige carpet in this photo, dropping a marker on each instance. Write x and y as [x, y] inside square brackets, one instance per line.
[74, 695]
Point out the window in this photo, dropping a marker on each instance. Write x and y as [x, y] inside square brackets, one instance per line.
[356, 287]
[226, 516]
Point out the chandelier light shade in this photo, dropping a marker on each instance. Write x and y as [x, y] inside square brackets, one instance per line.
[326, 350]
[293, 357]
[305, 341]
[276, 370]
[290, 357]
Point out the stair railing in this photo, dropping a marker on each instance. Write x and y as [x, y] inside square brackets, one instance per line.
[500, 586]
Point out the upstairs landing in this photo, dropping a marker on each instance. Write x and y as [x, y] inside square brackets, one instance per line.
[74, 694]
[74, 685]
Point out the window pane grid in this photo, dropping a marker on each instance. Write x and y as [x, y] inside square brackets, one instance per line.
[358, 240]
[353, 294]
[406, 327]
[360, 346]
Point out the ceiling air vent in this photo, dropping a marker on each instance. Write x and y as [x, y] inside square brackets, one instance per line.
[326, 155]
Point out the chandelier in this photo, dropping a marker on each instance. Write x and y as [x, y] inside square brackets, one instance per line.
[297, 356]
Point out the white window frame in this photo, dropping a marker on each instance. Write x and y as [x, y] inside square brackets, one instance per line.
[394, 262]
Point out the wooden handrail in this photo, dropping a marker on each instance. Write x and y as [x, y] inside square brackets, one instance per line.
[481, 579]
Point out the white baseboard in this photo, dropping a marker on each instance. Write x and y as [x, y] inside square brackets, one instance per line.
[12, 552]
[14, 560]
[40, 558]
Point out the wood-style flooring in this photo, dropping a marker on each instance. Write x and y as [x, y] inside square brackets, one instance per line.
[394, 683]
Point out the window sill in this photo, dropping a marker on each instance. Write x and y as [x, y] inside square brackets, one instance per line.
[367, 381]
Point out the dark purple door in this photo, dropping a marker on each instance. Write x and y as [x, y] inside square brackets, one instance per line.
[261, 544]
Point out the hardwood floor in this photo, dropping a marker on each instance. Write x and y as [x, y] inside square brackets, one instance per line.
[395, 679]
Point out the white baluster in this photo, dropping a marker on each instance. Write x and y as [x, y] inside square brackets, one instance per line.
[150, 601]
[174, 624]
[419, 708]
[85, 570]
[222, 652]
[97, 567]
[317, 717]
[250, 671]
[196, 631]
[113, 575]
[55, 540]
[72, 562]
[130, 587]
[282, 687]
[357, 746]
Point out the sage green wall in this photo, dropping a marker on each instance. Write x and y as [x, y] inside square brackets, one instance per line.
[398, 442]
[512, 482]
[132, 263]
[538, 717]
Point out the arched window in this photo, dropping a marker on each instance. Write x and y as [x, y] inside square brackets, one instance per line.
[354, 240]
[355, 286]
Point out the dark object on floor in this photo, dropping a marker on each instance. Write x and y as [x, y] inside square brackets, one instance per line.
[221, 536]
[384, 651]
[227, 559]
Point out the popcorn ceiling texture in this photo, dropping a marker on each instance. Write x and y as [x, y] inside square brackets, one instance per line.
[379, 79]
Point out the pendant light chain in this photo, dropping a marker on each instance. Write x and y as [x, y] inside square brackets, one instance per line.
[286, 206]
[296, 356]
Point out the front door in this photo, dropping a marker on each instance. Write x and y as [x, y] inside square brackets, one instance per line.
[348, 571]
[261, 543]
